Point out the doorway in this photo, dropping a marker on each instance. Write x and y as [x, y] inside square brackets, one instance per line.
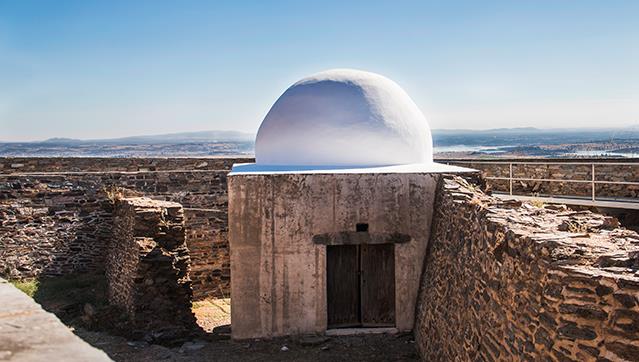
[360, 285]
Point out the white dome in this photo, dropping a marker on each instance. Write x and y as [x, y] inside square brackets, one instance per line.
[344, 117]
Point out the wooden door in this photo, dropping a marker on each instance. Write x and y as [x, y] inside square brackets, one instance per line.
[342, 286]
[377, 285]
[360, 285]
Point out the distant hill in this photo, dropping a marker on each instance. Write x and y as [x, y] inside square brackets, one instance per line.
[531, 136]
[173, 138]
[185, 144]
[526, 141]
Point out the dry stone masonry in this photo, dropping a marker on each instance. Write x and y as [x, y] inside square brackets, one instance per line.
[207, 239]
[105, 164]
[505, 280]
[52, 225]
[147, 266]
[55, 213]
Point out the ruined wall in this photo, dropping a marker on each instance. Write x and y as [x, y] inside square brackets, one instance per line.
[52, 225]
[105, 164]
[604, 170]
[207, 238]
[505, 281]
[147, 264]
[56, 223]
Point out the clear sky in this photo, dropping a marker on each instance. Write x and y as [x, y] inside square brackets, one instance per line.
[101, 69]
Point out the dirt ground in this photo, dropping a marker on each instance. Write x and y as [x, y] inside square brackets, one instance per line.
[214, 316]
[69, 298]
[212, 313]
[377, 347]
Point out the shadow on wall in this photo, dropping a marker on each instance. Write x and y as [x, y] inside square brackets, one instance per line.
[60, 224]
[76, 299]
[81, 301]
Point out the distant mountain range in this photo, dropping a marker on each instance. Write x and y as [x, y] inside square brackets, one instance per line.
[509, 141]
[186, 144]
[183, 137]
[496, 136]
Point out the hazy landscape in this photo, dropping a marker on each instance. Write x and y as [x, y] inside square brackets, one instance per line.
[503, 142]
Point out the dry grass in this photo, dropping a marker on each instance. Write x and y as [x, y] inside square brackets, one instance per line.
[537, 203]
[28, 287]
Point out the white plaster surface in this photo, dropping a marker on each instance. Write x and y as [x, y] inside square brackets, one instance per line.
[344, 117]
[431, 167]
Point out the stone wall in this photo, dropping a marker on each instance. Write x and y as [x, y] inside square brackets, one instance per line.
[59, 222]
[147, 264]
[505, 281]
[52, 225]
[565, 169]
[104, 164]
[207, 238]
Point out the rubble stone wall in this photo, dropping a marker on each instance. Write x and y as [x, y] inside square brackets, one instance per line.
[57, 223]
[207, 238]
[104, 164]
[509, 281]
[52, 225]
[147, 263]
[604, 170]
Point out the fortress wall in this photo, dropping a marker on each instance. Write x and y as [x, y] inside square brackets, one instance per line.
[105, 164]
[607, 170]
[207, 238]
[52, 225]
[505, 281]
[147, 264]
[58, 223]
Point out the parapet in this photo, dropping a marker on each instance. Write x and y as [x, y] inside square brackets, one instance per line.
[508, 280]
[28, 333]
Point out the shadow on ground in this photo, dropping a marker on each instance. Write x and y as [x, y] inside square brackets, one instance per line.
[80, 302]
[376, 347]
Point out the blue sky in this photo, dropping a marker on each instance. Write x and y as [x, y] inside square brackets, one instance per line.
[100, 69]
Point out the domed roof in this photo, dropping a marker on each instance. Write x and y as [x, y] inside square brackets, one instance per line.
[344, 117]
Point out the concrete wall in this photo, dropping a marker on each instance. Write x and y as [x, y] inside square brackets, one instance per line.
[278, 283]
[509, 281]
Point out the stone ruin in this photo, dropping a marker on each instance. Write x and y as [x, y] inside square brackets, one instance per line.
[501, 279]
[474, 277]
[505, 280]
[147, 267]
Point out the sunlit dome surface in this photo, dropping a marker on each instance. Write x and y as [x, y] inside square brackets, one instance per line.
[344, 117]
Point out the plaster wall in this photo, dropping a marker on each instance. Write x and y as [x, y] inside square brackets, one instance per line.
[278, 274]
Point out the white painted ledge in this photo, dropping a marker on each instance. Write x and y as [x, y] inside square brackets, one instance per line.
[432, 167]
